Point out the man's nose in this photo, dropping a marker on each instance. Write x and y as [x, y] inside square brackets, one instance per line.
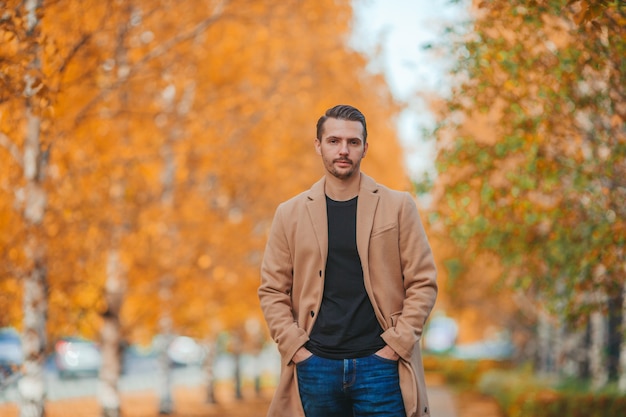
[343, 149]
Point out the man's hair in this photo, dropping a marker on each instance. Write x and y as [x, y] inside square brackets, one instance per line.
[342, 112]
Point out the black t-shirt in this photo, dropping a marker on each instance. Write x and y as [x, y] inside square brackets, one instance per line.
[346, 326]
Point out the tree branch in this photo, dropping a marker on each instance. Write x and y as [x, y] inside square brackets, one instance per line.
[73, 52]
[6, 143]
[159, 50]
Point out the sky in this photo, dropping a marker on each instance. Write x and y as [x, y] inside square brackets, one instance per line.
[401, 28]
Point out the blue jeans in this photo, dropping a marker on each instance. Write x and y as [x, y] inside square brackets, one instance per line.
[360, 387]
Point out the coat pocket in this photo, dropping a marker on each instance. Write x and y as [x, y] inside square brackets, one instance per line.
[394, 318]
[383, 229]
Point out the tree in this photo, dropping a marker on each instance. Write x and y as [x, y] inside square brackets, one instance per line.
[21, 24]
[533, 151]
[176, 131]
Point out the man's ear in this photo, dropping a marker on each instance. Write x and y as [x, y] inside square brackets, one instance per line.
[365, 149]
[318, 146]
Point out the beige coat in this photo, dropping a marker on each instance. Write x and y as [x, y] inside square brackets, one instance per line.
[398, 270]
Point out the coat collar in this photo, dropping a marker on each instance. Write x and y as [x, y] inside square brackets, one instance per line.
[366, 207]
[367, 186]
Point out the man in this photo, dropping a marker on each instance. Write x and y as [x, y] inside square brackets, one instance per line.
[347, 283]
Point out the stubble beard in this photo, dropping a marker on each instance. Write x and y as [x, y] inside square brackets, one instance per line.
[345, 174]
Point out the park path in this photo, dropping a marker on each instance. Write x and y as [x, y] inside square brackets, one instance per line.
[441, 398]
[189, 402]
[442, 402]
[446, 402]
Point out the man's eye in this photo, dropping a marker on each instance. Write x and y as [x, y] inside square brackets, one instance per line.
[355, 142]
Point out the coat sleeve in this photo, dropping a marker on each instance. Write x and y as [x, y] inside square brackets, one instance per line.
[419, 275]
[275, 291]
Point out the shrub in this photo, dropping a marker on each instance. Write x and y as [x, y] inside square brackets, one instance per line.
[462, 373]
[522, 394]
[507, 386]
[558, 404]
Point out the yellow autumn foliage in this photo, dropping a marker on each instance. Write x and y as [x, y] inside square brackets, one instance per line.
[175, 128]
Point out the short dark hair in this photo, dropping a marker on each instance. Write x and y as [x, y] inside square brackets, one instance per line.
[342, 112]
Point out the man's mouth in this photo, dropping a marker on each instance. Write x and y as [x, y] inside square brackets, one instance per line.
[343, 161]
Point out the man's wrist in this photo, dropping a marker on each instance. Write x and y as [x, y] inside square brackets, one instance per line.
[301, 355]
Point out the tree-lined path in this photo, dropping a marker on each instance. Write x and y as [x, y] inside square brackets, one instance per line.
[444, 402]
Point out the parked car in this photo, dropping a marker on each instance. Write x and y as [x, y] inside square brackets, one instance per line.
[184, 350]
[11, 355]
[75, 357]
[180, 350]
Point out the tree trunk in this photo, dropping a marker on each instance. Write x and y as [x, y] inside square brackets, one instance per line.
[574, 357]
[31, 386]
[110, 370]
[168, 175]
[545, 354]
[621, 384]
[614, 335]
[237, 345]
[164, 382]
[238, 379]
[208, 365]
[166, 399]
[597, 357]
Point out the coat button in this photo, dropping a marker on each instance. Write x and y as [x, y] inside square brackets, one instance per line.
[312, 314]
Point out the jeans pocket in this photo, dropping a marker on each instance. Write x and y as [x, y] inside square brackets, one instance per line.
[384, 360]
[304, 362]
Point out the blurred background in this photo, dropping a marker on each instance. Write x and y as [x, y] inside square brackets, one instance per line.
[144, 145]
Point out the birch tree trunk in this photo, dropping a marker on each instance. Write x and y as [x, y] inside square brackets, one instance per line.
[110, 371]
[110, 333]
[166, 399]
[208, 365]
[168, 174]
[31, 386]
[164, 382]
[237, 346]
[597, 357]
[574, 358]
[560, 348]
[545, 354]
[173, 111]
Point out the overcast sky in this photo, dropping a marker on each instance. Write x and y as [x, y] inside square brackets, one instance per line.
[402, 28]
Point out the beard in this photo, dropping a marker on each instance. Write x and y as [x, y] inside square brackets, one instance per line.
[343, 173]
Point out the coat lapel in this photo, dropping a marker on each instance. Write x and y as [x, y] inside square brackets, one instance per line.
[316, 206]
[366, 207]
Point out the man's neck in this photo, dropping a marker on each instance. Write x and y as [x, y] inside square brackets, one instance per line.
[343, 190]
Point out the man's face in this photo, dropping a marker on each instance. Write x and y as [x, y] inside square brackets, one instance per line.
[341, 147]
